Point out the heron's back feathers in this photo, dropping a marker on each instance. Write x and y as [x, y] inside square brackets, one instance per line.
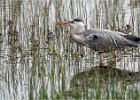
[108, 40]
[132, 38]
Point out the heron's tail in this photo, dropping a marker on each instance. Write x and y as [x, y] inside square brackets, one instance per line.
[139, 44]
[132, 38]
[135, 41]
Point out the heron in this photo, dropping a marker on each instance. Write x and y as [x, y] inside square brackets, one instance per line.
[100, 40]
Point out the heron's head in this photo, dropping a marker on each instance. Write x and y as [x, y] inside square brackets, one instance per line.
[76, 24]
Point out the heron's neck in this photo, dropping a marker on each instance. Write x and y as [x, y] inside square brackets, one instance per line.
[78, 29]
[77, 34]
[77, 37]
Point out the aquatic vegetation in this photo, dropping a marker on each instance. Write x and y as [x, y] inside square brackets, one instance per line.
[38, 60]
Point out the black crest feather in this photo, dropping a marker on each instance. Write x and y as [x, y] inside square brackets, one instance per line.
[78, 20]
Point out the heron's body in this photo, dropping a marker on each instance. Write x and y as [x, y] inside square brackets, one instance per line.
[104, 40]
[100, 40]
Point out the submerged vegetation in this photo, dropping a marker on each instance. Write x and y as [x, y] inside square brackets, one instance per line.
[38, 60]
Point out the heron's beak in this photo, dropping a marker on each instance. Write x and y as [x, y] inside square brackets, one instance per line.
[64, 23]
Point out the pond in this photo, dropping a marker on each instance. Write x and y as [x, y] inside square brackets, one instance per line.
[39, 61]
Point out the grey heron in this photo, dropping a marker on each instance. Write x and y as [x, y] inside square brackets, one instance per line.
[99, 40]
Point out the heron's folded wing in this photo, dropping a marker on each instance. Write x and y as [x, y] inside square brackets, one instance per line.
[106, 39]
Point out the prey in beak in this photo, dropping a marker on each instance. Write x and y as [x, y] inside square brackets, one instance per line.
[64, 23]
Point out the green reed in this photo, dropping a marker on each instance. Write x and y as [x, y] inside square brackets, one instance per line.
[39, 60]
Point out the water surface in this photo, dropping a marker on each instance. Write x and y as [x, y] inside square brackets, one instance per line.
[39, 61]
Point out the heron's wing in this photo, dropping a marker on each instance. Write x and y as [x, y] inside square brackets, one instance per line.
[105, 40]
[130, 37]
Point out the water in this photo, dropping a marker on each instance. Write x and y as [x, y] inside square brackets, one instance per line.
[39, 61]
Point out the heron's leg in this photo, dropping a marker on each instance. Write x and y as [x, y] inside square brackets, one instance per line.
[101, 59]
[116, 55]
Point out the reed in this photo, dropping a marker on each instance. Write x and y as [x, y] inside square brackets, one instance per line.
[39, 60]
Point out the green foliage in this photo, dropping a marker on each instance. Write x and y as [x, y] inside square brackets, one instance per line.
[38, 60]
